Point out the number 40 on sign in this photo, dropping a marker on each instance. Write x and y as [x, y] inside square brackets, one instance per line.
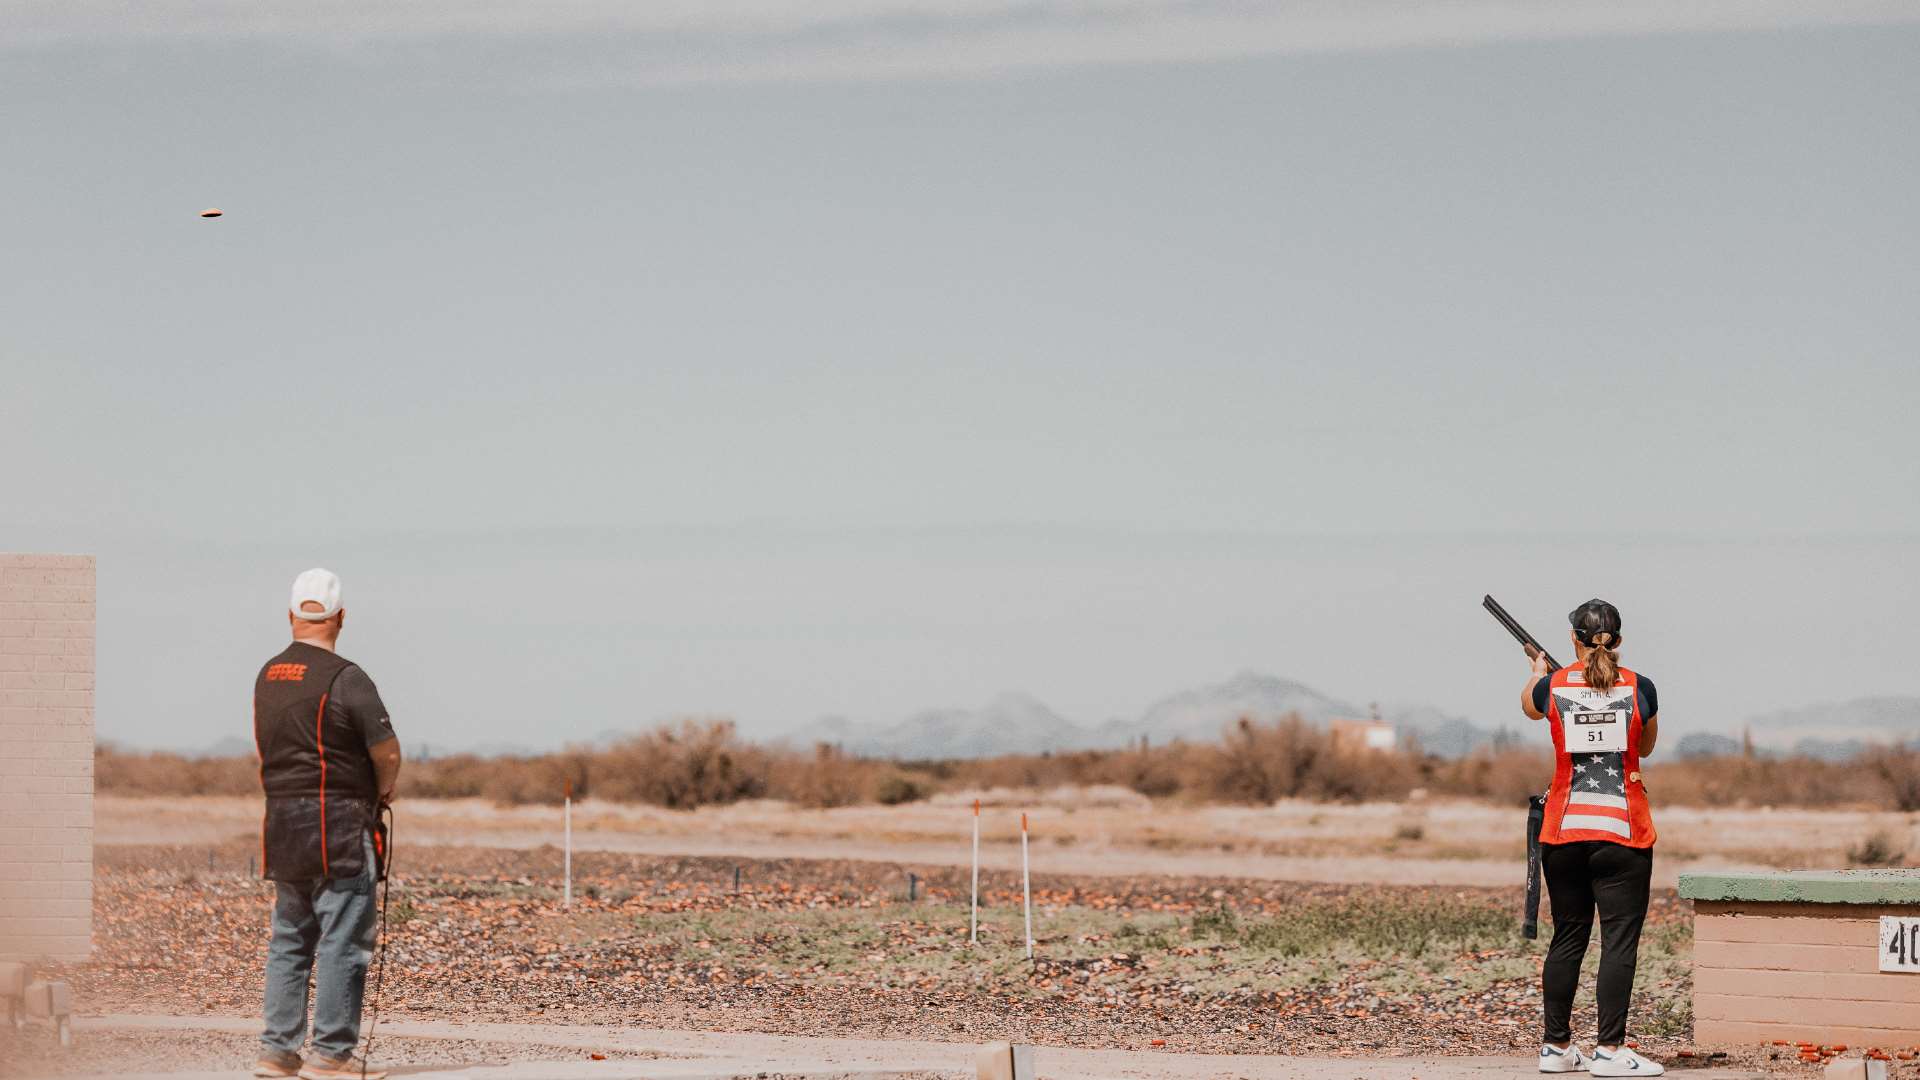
[1900, 943]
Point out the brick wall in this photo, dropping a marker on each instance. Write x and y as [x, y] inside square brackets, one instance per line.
[46, 756]
[1811, 971]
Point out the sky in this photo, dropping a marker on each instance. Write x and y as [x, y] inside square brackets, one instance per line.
[779, 360]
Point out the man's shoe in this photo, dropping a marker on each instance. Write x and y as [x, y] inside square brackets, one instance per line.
[1555, 1060]
[1623, 1062]
[338, 1069]
[277, 1063]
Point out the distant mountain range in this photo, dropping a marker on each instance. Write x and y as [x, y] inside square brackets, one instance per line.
[1009, 724]
[1015, 723]
[1020, 724]
[1839, 730]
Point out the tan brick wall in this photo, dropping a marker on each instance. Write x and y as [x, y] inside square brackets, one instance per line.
[46, 756]
[1765, 971]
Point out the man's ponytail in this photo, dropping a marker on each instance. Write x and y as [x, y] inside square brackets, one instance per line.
[1596, 624]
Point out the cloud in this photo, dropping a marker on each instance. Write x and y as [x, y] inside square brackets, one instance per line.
[672, 41]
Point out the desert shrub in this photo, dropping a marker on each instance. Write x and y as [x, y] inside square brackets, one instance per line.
[1030, 770]
[700, 761]
[1877, 848]
[513, 781]
[896, 788]
[1263, 763]
[828, 777]
[1736, 781]
[155, 772]
[1899, 770]
[456, 776]
[1505, 775]
[1154, 773]
[694, 763]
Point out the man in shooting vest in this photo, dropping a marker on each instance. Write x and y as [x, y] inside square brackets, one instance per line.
[328, 762]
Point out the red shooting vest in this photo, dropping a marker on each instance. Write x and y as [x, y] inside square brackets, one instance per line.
[1596, 793]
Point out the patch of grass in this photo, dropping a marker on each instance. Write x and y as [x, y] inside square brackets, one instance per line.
[1445, 947]
[1665, 1015]
[1374, 929]
[401, 911]
[1133, 935]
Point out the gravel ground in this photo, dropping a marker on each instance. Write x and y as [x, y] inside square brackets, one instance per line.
[821, 947]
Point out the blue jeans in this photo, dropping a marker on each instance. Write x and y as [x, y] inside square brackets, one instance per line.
[325, 929]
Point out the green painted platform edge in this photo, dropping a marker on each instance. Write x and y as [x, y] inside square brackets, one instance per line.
[1806, 886]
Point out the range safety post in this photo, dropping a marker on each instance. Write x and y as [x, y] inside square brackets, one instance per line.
[1026, 883]
[973, 918]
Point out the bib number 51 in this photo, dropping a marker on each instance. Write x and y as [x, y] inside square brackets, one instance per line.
[1592, 731]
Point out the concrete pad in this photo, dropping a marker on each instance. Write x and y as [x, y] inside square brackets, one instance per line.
[558, 1052]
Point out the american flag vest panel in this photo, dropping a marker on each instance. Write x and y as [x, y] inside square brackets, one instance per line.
[1596, 793]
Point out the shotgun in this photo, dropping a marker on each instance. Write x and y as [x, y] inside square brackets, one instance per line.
[1536, 804]
[1519, 632]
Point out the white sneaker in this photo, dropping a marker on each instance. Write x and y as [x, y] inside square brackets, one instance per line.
[1623, 1062]
[1555, 1060]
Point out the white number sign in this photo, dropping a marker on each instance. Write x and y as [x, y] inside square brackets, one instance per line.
[1592, 731]
[1900, 943]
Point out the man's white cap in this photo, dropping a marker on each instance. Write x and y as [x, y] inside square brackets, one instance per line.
[320, 586]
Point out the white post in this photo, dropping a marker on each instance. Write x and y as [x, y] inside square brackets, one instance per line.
[566, 896]
[1026, 884]
[973, 919]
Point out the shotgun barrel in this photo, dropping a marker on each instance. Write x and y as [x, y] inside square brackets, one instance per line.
[1519, 632]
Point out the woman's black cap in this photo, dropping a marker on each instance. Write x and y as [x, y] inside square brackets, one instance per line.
[1595, 617]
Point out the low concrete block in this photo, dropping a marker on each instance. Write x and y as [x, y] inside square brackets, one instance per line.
[49, 1000]
[1795, 955]
[1856, 1069]
[13, 979]
[1004, 1061]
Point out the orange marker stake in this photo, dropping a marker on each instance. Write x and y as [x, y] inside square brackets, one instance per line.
[1026, 884]
[973, 919]
[566, 886]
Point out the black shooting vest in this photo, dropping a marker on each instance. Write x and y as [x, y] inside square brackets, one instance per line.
[321, 793]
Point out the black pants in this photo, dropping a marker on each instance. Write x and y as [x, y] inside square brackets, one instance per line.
[1581, 877]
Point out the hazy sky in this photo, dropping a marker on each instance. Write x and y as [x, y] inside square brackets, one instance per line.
[860, 356]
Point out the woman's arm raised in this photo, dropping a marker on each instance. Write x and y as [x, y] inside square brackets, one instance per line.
[1540, 671]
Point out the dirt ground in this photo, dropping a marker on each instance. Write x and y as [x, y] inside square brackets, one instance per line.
[1145, 952]
[1097, 832]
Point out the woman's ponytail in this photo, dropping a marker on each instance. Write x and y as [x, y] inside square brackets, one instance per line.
[1603, 663]
[1596, 624]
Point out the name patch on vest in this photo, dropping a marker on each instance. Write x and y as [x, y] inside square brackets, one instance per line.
[286, 672]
